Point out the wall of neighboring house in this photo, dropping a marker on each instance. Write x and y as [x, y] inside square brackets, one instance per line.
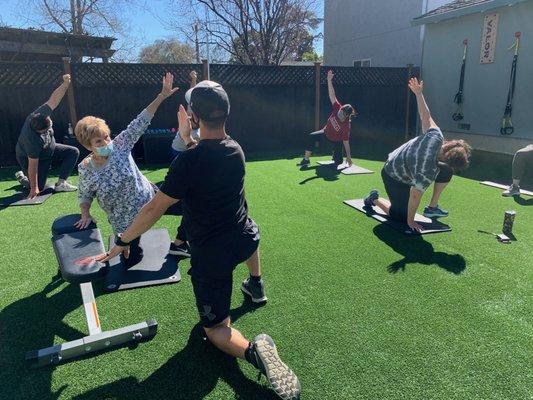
[379, 30]
[486, 85]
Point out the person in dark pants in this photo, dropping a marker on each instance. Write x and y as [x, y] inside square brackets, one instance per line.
[522, 159]
[414, 166]
[36, 148]
[180, 247]
[336, 132]
[209, 181]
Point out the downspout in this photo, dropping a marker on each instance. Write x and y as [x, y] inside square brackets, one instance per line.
[425, 6]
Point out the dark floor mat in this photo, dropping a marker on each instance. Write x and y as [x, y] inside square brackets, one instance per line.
[429, 225]
[19, 198]
[156, 268]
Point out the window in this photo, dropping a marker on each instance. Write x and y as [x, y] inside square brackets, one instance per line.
[365, 62]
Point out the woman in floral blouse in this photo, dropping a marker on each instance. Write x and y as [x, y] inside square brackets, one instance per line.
[110, 174]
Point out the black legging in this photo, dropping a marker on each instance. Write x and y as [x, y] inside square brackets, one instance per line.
[68, 155]
[319, 136]
[176, 209]
[399, 192]
[445, 173]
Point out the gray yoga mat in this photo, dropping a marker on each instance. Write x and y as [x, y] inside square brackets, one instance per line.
[353, 170]
[156, 268]
[429, 225]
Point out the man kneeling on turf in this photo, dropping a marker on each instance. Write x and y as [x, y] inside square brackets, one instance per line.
[414, 166]
[209, 180]
[336, 131]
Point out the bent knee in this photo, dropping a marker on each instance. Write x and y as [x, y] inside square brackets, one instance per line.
[224, 323]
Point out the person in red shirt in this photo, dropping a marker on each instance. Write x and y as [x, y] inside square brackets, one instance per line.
[336, 131]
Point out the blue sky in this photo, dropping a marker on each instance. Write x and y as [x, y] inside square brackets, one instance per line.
[145, 23]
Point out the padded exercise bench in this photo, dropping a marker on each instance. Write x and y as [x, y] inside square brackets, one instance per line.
[74, 250]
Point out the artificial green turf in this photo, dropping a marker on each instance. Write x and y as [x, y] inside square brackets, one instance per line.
[357, 310]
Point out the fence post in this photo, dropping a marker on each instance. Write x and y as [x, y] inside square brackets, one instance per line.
[408, 103]
[205, 69]
[317, 95]
[70, 93]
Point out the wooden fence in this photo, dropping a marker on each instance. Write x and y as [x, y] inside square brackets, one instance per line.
[271, 107]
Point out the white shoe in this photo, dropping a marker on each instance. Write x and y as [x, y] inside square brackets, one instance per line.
[513, 190]
[65, 187]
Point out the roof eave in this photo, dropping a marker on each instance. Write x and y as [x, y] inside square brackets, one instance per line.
[477, 8]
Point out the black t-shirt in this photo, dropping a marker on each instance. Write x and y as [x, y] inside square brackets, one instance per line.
[33, 144]
[209, 180]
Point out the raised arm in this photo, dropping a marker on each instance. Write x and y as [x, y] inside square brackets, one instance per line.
[166, 91]
[127, 138]
[193, 78]
[331, 90]
[57, 95]
[423, 110]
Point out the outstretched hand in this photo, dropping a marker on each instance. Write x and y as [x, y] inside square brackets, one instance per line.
[84, 221]
[330, 75]
[66, 79]
[184, 122]
[416, 86]
[115, 251]
[168, 82]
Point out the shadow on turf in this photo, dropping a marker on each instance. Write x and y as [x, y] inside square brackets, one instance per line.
[522, 201]
[416, 250]
[33, 323]
[190, 374]
[325, 172]
[36, 321]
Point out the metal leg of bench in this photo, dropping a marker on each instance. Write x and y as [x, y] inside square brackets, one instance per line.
[96, 341]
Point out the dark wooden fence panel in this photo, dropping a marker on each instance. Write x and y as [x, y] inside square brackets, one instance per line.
[271, 107]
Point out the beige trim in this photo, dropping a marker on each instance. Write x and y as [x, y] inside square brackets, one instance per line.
[492, 143]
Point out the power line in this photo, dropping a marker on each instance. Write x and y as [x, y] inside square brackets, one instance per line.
[370, 36]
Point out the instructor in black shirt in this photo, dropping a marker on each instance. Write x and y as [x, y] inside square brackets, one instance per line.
[209, 179]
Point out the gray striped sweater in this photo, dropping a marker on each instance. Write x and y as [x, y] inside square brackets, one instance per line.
[415, 162]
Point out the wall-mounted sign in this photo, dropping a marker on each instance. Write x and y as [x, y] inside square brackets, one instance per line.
[488, 38]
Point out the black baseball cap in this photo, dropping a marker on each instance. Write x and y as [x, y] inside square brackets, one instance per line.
[209, 101]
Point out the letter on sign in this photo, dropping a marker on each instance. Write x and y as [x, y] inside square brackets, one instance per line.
[488, 38]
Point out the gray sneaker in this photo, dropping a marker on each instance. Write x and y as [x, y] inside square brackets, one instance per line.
[370, 198]
[435, 212]
[23, 179]
[65, 187]
[283, 380]
[304, 163]
[256, 291]
[511, 191]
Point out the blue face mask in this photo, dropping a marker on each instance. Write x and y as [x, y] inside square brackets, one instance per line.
[104, 151]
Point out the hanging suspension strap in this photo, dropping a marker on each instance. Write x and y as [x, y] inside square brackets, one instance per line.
[507, 122]
[458, 99]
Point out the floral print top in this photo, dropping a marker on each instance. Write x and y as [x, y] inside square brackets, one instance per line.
[118, 186]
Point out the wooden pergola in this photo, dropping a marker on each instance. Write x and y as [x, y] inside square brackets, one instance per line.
[35, 45]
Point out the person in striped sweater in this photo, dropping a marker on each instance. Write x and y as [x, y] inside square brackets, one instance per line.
[413, 167]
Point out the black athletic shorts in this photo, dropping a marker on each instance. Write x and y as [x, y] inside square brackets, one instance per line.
[398, 194]
[212, 268]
